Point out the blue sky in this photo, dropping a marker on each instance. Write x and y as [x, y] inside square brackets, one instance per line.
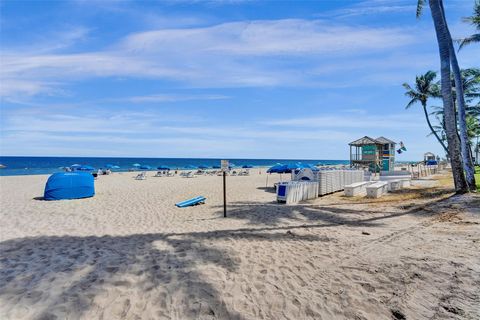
[233, 79]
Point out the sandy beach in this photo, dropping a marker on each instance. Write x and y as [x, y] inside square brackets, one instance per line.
[129, 253]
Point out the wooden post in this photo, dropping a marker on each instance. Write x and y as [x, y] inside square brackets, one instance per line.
[224, 194]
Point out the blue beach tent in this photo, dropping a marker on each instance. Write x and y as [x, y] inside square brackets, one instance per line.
[69, 185]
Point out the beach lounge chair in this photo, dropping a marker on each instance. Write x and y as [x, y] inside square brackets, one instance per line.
[159, 174]
[191, 202]
[141, 176]
[188, 174]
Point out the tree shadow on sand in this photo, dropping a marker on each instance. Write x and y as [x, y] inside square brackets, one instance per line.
[325, 215]
[67, 276]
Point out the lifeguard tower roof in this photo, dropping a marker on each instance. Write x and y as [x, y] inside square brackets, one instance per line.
[364, 141]
[384, 140]
[367, 140]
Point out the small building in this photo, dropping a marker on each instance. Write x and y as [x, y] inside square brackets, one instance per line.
[375, 154]
[430, 159]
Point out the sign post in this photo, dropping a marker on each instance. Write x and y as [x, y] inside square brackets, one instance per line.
[224, 165]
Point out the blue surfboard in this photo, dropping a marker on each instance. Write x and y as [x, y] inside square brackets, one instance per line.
[191, 202]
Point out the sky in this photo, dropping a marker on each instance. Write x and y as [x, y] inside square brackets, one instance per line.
[216, 79]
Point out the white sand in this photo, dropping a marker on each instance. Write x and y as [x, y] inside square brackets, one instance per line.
[129, 253]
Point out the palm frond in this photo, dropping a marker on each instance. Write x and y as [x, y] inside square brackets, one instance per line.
[469, 40]
[420, 5]
[411, 103]
[407, 86]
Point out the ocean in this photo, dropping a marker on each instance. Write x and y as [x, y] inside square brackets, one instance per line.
[46, 165]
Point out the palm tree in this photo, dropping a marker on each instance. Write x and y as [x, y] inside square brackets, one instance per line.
[424, 88]
[443, 40]
[470, 90]
[475, 21]
[461, 108]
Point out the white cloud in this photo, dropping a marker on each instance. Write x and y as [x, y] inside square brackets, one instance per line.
[229, 54]
[269, 37]
[158, 98]
[360, 121]
[32, 131]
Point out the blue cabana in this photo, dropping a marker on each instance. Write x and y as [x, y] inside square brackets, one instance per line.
[69, 185]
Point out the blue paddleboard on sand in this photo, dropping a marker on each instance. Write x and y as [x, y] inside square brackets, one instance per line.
[191, 202]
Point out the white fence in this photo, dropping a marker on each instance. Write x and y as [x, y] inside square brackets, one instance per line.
[296, 191]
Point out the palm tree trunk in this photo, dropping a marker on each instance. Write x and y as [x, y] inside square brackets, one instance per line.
[431, 128]
[449, 112]
[462, 122]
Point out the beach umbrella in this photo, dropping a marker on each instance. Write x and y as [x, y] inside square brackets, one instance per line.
[85, 168]
[163, 168]
[306, 166]
[136, 164]
[278, 168]
[311, 167]
[145, 167]
[247, 166]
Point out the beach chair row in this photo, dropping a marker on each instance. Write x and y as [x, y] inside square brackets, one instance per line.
[192, 174]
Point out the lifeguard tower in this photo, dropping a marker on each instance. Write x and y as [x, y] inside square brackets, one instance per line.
[428, 156]
[375, 154]
[430, 159]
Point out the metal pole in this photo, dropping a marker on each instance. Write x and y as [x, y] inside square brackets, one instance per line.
[224, 194]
